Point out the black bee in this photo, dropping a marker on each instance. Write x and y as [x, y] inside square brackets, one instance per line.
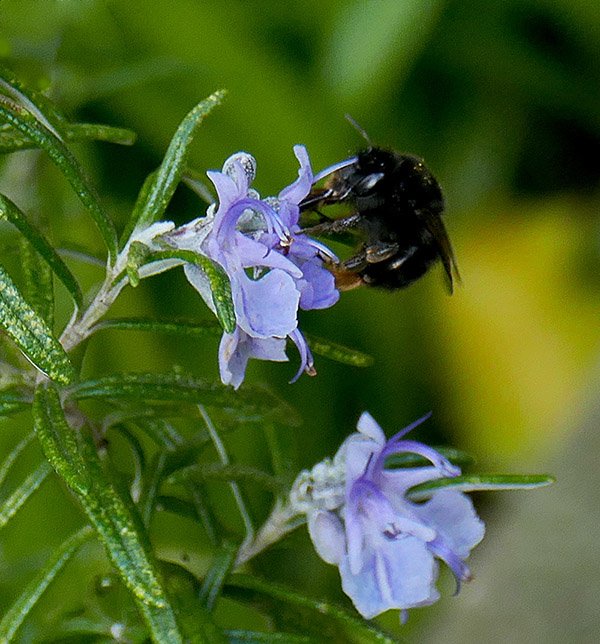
[397, 207]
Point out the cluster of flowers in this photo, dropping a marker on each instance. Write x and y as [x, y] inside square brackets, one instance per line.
[361, 519]
[274, 269]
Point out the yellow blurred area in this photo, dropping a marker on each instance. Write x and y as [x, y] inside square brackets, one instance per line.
[520, 338]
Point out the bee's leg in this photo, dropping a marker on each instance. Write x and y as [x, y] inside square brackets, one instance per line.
[380, 251]
[356, 263]
[334, 225]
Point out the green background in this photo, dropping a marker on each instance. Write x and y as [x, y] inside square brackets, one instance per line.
[502, 99]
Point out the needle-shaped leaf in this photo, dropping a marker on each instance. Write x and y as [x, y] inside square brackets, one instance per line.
[158, 190]
[31, 334]
[17, 613]
[480, 483]
[12, 457]
[150, 487]
[14, 141]
[74, 457]
[408, 459]
[317, 617]
[33, 100]
[39, 283]
[61, 156]
[250, 637]
[222, 564]
[13, 400]
[189, 328]
[338, 352]
[10, 506]
[98, 132]
[220, 472]
[11, 141]
[10, 212]
[153, 387]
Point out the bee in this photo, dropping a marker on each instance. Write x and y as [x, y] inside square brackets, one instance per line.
[397, 210]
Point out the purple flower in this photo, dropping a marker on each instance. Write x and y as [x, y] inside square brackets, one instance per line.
[385, 545]
[274, 269]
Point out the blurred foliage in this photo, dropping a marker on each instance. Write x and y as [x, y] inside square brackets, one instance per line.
[501, 98]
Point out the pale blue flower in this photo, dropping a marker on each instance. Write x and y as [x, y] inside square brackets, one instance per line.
[386, 546]
[274, 268]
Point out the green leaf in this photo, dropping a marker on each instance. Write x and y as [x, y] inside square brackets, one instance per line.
[62, 157]
[10, 506]
[151, 487]
[133, 489]
[191, 329]
[219, 282]
[338, 352]
[161, 187]
[316, 617]
[14, 400]
[31, 334]
[408, 459]
[12, 457]
[39, 285]
[231, 472]
[74, 457]
[12, 141]
[17, 613]
[10, 212]
[249, 637]
[253, 402]
[58, 441]
[96, 132]
[222, 564]
[480, 483]
[31, 98]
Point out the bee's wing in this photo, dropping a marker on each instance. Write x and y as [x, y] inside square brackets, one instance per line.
[434, 224]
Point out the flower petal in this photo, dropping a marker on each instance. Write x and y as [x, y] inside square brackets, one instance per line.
[327, 534]
[400, 573]
[454, 517]
[295, 192]
[253, 253]
[265, 307]
[317, 287]
[368, 426]
[272, 349]
[233, 358]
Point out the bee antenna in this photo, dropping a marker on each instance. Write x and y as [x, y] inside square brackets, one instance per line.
[359, 129]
